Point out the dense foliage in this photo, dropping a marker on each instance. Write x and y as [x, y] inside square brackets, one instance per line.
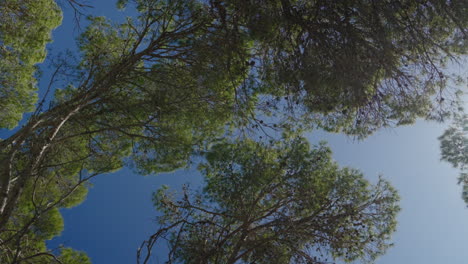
[25, 28]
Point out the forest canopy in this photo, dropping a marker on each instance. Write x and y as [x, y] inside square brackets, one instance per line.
[180, 77]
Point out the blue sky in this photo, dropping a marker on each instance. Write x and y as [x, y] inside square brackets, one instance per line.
[433, 224]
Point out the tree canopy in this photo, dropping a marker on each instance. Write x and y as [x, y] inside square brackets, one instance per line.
[286, 203]
[25, 29]
[354, 66]
[454, 149]
[181, 75]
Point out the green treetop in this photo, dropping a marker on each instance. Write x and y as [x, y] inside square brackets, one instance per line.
[286, 203]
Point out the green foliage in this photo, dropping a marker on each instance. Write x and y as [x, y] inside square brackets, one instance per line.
[169, 103]
[454, 149]
[284, 203]
[128, 107]
[36, 217]
[349, 66]
[25, 27]
[454, 143]
[70, 256]
[355, 66]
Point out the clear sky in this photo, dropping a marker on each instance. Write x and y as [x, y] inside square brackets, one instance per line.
[433, 224]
